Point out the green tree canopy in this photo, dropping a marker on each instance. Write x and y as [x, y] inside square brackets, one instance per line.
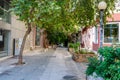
[60, 14]
[64, 16]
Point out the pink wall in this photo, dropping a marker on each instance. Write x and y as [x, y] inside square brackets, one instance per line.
[95, 46]
[107, 44]
[115, 17]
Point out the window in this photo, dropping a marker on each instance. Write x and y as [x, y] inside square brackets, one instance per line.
[96, 35]
[111, 33]
[37, 42]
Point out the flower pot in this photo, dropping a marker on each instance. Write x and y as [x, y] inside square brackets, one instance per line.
[81, 57]
[71, 50]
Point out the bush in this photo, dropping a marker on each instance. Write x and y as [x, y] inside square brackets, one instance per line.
[93, 62]
[90, 52]
[75, 46]
[83, 51]
[109, 68]
[71, 45]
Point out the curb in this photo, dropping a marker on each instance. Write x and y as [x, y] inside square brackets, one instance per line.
[4, 58]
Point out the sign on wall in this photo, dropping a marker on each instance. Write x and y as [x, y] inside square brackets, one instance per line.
[18, 42]
[1, 37]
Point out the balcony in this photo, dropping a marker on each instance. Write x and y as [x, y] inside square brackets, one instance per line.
[4, 11]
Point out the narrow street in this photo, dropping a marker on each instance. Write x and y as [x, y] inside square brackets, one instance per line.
[50, 65]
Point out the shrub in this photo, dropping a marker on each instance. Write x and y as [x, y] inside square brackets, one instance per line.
[93, 61]
[71, 45]
[109, 68]
[75, 46]
[83, 51]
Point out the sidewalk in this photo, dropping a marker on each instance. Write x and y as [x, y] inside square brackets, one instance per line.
[49, 65]
[62, 67]
[6, 64]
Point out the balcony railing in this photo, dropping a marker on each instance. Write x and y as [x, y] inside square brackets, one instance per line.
[4, 11]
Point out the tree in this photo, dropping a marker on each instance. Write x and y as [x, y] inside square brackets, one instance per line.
[89, 13]
[54, 17]
[42, 13]
[57, 15]
[25, 10]
[86, 12]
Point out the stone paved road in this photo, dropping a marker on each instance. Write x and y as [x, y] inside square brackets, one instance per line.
[49, 65]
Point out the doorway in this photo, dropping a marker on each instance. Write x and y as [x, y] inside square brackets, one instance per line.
[4, 42]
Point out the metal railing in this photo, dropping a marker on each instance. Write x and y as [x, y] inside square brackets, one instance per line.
[4, 11]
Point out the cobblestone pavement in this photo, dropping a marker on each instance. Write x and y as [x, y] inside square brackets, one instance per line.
[50, 65]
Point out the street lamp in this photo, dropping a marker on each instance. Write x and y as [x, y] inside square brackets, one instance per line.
[102, 6]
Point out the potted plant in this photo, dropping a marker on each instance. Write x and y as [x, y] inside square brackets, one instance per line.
[82, 55]
[71, 47]
[79, 54]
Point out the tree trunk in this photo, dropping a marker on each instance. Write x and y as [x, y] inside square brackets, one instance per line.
[43, 39]
[20, 59]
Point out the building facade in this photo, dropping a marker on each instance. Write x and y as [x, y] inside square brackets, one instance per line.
[111, 32]
[12, 32]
